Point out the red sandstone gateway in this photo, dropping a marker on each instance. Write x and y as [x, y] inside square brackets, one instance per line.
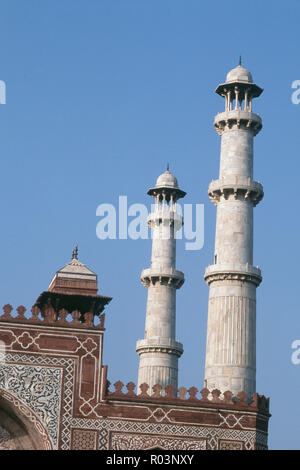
[54, 392]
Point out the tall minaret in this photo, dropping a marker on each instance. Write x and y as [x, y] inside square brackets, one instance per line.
[159, 352]
[231, 329]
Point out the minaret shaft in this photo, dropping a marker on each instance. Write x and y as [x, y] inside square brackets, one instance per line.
[163, 243]
[231, 330]
[234, 226]
[161, 308]
[236, 153]
[234, 231]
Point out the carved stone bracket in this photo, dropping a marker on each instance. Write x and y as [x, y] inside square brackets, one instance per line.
[144, 347]
[246, 273]
[238, 119]
[172, 278]
[237, 186]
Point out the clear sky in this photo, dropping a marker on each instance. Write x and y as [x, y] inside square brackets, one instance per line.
[101, 94]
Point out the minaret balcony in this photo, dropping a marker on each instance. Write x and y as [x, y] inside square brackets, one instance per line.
[238, 186]
[233, 272]
[165, 216]
[159, 345]
[237, 119]
[163, 275]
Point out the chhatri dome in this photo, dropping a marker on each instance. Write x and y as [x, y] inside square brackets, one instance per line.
[239, 74]
[167, 180]
[241, 80]
[167, 186]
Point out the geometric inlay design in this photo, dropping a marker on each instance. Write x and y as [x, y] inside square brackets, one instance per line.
[84, 439]
[213, 436]
[230, 445]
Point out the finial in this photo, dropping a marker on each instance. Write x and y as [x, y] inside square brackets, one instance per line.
[168, 166]
[75, 253]
[240, 60]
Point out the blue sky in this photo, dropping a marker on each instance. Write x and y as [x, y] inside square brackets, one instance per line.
[101, 94]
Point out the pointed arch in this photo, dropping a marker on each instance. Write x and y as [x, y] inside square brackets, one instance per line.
[21, 429]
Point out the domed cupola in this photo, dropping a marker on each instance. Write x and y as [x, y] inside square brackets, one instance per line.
[239, 90]
[166, 187]
[239, 74]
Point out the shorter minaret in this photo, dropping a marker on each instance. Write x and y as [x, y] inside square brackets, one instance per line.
[159, 351]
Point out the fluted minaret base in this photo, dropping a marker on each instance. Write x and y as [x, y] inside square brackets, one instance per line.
[158, 362]
[231, 339]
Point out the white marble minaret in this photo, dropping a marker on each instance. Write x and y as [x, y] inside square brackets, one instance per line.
[159, 351]
[231, 330]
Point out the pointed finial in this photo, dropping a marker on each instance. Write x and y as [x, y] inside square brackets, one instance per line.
[75, 253]
[240, 60]
[168, 166]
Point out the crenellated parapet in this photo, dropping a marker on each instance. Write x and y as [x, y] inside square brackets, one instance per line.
[48, 316]
[207, 397]
[240, 187]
